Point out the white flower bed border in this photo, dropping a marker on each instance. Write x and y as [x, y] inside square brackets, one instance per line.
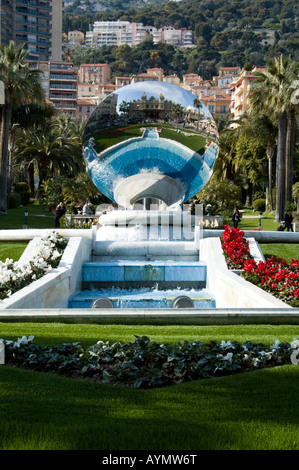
[54, 288]
[35, 263]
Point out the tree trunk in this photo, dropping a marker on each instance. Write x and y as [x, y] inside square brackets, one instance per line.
[290, 145]
[280, 170]
[31, 178]
[270, 153]
[248, 202]
[5, 129]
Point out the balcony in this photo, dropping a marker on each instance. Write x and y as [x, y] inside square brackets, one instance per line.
[60, 86]
[60, 77]
[34, 4]
[34, 31]
[27, 11]
[58, 96]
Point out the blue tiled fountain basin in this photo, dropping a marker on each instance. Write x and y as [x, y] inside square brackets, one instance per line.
[110, 271]
[140, 298]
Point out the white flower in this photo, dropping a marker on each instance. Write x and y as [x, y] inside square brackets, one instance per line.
[295, 343]
[276, 344]
[225, 344]
[228, 357]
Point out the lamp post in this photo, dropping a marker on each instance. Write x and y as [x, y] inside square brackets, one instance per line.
[26, 218]
[260, 219]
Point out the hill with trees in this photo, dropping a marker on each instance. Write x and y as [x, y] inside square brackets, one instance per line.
[225, 34]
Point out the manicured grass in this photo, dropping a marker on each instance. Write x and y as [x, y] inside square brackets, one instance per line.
[281, 250]
[193, 140]
[57, 333]
[11, 250]
[252, 222]
[113, 136]
[256, 410]
[108, 138]
[38, 217]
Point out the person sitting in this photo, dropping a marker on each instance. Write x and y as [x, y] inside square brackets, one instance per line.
[281, 227]
[87, 210]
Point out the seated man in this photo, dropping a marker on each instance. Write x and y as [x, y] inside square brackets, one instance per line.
[281, 227]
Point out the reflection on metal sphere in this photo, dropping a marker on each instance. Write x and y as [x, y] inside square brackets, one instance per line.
[102, 302]
[183, 301]
[150, 140]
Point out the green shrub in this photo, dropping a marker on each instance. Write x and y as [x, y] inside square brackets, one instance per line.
[23, 189]
[14, 200]
[290, 206]
[259, 205]
[258, 195]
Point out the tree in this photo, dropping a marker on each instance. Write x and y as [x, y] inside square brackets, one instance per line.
[22, 84]
[261, 133]
[53, 152]
[273, 93]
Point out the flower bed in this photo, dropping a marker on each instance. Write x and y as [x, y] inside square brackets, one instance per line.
[274, 275]
[235, 247]
[146, 364]
[15, 275]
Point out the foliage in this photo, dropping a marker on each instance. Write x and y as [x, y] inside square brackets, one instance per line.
[64, 223]
[221, 194]
[23, 189]
[259, 205]
[21, 84]
[54, 151]
[14, 200]
[52, 191]
[145, 364]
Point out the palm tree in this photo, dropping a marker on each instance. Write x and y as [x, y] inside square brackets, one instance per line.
[22, 83]
[52, 153]
[260, 129]
[272, 92]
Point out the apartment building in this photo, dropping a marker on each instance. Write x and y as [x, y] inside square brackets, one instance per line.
[75, 37]
[98, 74]
[218, 103]
[116, 33]
[59, 81]
[35, 23]
[85, 109]
[172, 79]
[177, 37]
[227, 75]
[122, 81]
[191, 80]
[240, 91]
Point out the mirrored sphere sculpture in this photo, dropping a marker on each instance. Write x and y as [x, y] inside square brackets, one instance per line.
[150, 142]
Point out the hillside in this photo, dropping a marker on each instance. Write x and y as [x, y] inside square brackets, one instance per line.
[225, 33]
[76, 7]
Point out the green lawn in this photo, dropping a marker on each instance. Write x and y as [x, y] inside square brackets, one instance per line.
[281, 250]
[256, 410]
[250, 221]
[11, 250]
[38, 217]
[108, 138]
